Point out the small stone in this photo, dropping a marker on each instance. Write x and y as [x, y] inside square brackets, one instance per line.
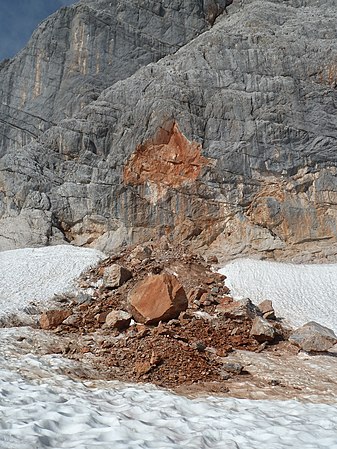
[224, 375]
[195, 294]
[118, 319]
[83, 298]
[72, 320]
[142, 368]
[267, 310]
[101, 317]
[115, 275]
[212, 259]
[200, 346]
[233, 367]
[243, 308]
[141, 253]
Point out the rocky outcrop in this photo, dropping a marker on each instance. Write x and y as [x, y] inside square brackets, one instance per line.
[82, 49]
[229, 143]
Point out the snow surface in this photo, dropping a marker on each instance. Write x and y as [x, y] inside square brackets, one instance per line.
[300, 293]
[56, 412]
[41, 408]
[36, 274]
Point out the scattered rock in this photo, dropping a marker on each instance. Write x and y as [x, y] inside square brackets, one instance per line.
[212, 259]
[83, 298]
[72, 320]
[118, 319]
[141, 253]
[313, 337]
[243, 308]
[267, 310]
[200, 346]
[53, 318]
[196, 293]
[101, 317]
[233, 367]
[262, 330]
[157, 298]
[115, 275]
[142, 368]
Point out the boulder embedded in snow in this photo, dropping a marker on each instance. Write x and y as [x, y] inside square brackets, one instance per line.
[157, 298]
[118, 319]
[267, 309]
[262, 330]
[313, 337]
[115, 275]
[53, 318]
[243, 308]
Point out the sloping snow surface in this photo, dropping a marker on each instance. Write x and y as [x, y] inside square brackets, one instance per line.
[41, 408]
[300, 293]
[36, 274]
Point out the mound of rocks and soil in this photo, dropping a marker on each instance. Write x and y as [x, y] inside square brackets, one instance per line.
[157, 313]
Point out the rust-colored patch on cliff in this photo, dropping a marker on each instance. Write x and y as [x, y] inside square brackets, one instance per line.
[167, 160]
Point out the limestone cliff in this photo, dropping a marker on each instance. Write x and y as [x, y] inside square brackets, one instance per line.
[227, 142]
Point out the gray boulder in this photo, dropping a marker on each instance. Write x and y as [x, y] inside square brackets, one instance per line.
[115, 275]
[312, 337]
[262, 330]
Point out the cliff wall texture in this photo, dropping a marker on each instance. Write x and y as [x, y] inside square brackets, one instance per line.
[124, 121]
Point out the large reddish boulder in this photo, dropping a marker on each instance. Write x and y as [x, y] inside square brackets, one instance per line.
[53, 318]
[157, 298]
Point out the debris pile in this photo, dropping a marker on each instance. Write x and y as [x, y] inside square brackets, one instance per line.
[158, 314]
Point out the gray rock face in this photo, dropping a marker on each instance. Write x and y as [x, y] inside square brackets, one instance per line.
[82, 49]
[229, 142]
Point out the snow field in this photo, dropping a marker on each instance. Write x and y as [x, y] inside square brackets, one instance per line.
[59, 413]
[36, 274]
[300, 293]
[41, 408]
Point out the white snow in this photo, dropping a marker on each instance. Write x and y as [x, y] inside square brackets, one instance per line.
[300, 293]
[36, 274]
[40, 408]
[56, 412]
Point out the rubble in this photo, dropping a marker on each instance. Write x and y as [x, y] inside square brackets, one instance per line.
[174, 340]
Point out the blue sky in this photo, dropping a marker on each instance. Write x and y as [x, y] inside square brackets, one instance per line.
[19, 18]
